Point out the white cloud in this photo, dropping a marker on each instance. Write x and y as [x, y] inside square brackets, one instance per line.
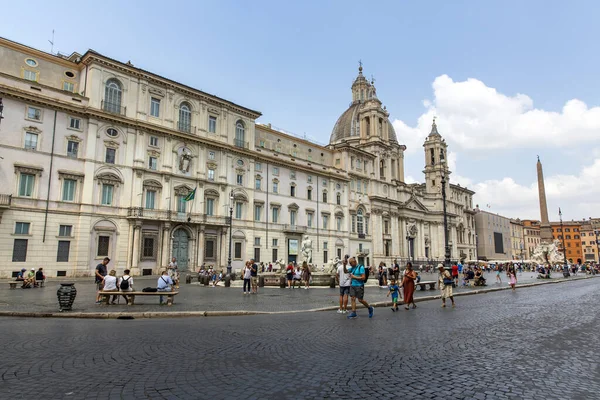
[474, 116]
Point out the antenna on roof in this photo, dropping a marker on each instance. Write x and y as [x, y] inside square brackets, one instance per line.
[52, 43]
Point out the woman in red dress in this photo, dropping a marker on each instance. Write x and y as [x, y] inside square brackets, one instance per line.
[408, 283]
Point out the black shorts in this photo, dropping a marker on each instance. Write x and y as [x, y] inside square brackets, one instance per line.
[344, 290]
[357, 291]
[290, 276]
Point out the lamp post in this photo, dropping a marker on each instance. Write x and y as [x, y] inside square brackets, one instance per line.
[596, 232]
[447, 247]
[562, 231]
[408, 243]
[230, 229]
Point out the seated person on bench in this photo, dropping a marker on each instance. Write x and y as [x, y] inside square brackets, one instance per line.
[542, 273]
[21, 275]
[40, 277]
[479, 279]
[29, 281]
[469, 275]
[165, 284]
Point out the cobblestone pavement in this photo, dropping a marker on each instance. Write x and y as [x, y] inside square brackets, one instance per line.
[198, 298]
[537, 343]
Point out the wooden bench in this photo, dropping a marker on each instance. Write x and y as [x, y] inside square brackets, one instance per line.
[423, 284]
[131, 296]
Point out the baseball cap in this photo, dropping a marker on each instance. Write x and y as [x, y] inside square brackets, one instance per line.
[33, 269]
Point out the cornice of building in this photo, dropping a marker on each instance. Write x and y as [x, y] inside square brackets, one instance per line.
[38, 53]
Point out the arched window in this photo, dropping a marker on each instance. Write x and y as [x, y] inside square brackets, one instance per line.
[112, 96]
[240, 134]
[368, 129]
[360, 222]
[185, 118]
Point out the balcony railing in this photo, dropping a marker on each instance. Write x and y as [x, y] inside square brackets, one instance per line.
[5, 200]
[168, 215]
[294, 228]
[241, 144]
[113, 108]
[185, 128]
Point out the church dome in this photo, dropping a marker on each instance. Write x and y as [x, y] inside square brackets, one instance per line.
[347, 125]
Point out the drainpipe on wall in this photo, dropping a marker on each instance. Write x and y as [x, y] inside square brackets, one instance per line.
[49, 177]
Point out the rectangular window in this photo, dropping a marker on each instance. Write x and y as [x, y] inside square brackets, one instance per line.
[103, 243]
[275, 215]
[275, 242]
[153, 141]
[34, 113]
[257, 184]
[275, 187]
[210, 206]
[239, 179]
[274, 254]
[324, 197]
[309, 219]
[72, 149]
[293, 191]
[107, 194]
[325, 254]
[110, 155]
[261, 143]
[238, 210]
[325, 222]
[19, 250]
[256, 242]
[69, 86]
[212, 124]
[31, 141]
[211, 155]
[69, 186]
[293, 217]
[74, 123]
[30, 75]
[309, 194]
[237, 253]
[257, 254]
[365, 187]
[148, 250]
[26, 182]
[211, 174]
[62, 255]
[292, 175]
[65, 230]
[22, 228]
[275, 171]
[338, 223]
[386, 227]
[152, 163]
[181, 204]
[155, 107]
[257, 166]
[209, 249]
[309, 178]
[257, 212]
[150, 199]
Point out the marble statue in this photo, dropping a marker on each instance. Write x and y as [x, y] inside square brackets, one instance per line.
[185, 160]
[307, 249]
[548, 253]
[333, 265]
[280, 266]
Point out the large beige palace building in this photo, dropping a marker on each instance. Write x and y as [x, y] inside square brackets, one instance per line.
[98, 157]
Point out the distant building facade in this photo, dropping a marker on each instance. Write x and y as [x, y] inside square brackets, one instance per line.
[517, 239]
[104, 159]
[590, 235]
[571, 231]
[531, 236]
[493, 236]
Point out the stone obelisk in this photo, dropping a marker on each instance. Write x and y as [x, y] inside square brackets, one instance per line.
[545, 228]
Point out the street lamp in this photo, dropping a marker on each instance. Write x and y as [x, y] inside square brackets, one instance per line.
[447, 247]
[230, 228]
[408, 243]
[562, 231]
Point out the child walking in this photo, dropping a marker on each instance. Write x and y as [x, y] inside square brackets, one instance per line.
[395, 292]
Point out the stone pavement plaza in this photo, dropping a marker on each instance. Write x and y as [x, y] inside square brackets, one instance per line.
[194, 297]
[535, 343]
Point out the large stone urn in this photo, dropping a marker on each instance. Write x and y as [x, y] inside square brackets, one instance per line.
[66, 296]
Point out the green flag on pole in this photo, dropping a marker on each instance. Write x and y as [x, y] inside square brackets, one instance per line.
[190, 195]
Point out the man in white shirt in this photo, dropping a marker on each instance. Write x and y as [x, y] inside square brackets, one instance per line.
[343, 277]
[125, 284]
[165, 284]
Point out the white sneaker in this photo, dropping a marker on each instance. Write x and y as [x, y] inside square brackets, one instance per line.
[340, 311]
[344, 311]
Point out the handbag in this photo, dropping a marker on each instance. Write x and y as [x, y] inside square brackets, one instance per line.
[447, 281]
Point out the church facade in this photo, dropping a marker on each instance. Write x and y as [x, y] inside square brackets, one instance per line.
[104, 159]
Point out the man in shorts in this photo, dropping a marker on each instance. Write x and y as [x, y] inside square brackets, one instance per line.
[357, 288]
[254, 276]
[99, 277]
[343, 277]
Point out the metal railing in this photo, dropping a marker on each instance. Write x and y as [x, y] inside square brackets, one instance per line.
[294, 228]
[5, 200]
[169, 215]
[241, 144]
[185, 127]
[113, 108]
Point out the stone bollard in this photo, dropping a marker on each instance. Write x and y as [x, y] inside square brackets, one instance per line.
[282, 282]
[261, 281]
[188, 279]
[332, 282]
[227, 281]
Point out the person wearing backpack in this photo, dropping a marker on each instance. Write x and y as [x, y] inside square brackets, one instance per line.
[125, 284]
[358, 275]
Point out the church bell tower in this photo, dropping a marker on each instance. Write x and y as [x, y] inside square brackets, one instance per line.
[436, 160]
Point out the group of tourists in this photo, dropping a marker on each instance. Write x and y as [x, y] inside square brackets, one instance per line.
[32, 279]
[294, 275]
[250, 276]
[108, 282]
[213, 277]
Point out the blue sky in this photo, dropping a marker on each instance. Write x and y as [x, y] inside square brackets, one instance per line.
[511, 67]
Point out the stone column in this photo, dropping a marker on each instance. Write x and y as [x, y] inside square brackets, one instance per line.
[136, 247]
[201, 246]
[395, 250]
[166, 242]
[130, 245]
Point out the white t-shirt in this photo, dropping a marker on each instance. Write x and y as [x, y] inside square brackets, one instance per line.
[297, 274]
[344, 278]
[247, 273]
[110, 282]
[129, 279]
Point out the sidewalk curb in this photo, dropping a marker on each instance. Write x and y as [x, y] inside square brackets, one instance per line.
[188, 314]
